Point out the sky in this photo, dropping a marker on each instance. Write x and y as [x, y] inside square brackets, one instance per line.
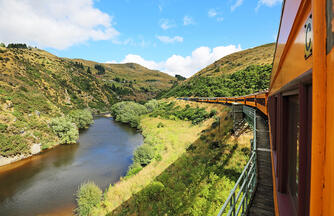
[174, 36]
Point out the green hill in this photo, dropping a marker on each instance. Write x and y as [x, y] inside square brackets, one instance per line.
[240, 73]
[36, 86]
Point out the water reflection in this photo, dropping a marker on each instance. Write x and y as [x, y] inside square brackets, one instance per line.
[48, 181]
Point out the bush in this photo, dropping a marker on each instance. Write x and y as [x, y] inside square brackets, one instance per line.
[153, 190]
[100, 69]
[3, 128]
[160, 125]
[143, 155]
[151, 105]
[213, 112]
[128, 112]
[87, 197]
[172, 112]
[133, 170]
[13, 145]
[82, 118]
[65, 130]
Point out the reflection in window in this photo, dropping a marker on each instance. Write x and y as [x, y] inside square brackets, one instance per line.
[293, 145]
[330, 25]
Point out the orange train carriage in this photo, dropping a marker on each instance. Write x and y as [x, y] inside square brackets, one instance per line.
[300, 109]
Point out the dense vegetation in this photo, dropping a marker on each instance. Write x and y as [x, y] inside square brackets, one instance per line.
[181, 169]
[171, 111]
[13, 145]
[128, 112]
[252, 79]
[66, 130]
[88, 196]
[82, 118]
[17, 45]
[198, 182]
[131, 112]
[179, 77]
[37, 88]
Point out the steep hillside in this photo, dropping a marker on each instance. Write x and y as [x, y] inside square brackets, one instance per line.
[240, 73]
[260, 55]
[36, 86]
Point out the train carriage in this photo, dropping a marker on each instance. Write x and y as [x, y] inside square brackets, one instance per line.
[300, 108]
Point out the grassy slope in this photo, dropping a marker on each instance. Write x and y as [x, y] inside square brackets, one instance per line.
[36, 86]
[260, 55]
[217, 79]
[192, 157]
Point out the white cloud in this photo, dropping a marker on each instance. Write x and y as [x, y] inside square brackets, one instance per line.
[187, 20]
[166, 39]
[220, 19]
[238, 3]
[268, 3]
[57, 24]
[131, 58]
[185, 65]
[166, 24]
[212, 13]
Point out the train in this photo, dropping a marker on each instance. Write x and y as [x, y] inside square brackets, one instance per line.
[299, 106]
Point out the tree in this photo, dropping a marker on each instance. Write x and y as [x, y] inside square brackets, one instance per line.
[2, 45]
[82, 118]
[17, 45]
[66, 131]
[100, 69]
[179, 77]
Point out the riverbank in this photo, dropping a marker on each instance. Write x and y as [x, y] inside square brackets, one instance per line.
[43, 132]
[176, 139]
[34, 149]
[198, 179]
[46, 183]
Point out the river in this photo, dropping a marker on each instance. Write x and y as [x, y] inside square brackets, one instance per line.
[45, 184]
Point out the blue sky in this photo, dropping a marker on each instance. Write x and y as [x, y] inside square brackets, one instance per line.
[175, 36]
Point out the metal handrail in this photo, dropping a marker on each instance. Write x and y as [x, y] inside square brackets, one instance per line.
[246, 188]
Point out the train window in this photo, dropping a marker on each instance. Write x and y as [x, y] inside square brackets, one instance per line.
[330, 25]
[293, 145]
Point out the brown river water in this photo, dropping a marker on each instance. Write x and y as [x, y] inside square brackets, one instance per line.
[45, 184]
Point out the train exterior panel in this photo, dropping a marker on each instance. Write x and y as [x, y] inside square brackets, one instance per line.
[300, 109]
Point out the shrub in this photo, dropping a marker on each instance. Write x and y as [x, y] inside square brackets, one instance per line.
[87, 197]
[160, 125]
[213, 112]
[101, 70]
[128, 112]
[133, 170]
[65, 130]
[13, 145]
[143, 155]
[3, 128]
[151, 105]
[152, 191]
[82, 118]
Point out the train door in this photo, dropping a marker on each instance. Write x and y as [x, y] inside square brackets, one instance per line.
[290, 119]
